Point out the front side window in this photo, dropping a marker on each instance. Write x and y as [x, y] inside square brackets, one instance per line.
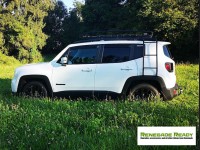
[82, 55]
[116, 53]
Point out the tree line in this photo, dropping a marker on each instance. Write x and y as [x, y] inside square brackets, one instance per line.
[29, 28]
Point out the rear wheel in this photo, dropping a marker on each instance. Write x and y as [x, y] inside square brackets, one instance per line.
[34, 89]
[143, 92]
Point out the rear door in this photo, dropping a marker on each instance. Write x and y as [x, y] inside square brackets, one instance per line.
[115, 68]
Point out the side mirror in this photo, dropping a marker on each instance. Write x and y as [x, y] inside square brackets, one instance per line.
[64, 61]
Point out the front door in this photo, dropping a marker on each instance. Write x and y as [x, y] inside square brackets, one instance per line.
[78, 74]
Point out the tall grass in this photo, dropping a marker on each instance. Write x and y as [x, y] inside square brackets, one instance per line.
[92, 124]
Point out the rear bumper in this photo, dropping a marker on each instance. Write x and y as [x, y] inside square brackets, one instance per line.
[172, 92]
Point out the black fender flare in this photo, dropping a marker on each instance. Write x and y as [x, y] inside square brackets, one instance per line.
[27, 78]
[156, 81]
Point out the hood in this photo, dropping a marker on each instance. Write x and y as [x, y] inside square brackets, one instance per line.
[34, 69]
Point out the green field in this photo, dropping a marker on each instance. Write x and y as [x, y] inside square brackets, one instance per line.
[92, 124]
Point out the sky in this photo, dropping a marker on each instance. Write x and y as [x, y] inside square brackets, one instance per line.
[69, 3]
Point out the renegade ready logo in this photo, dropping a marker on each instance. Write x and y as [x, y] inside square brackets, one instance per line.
[174, 135]
[166, 135]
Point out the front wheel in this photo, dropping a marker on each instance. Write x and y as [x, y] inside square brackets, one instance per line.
[34, 89]
[143, 92]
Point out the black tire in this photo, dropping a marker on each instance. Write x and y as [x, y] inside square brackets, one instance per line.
[143, 92]
[34, 89]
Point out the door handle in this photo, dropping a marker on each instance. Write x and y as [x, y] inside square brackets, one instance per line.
[126, 69]
[86, 70]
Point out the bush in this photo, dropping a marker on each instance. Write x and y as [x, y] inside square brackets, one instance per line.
[8, 60]
[29, 56]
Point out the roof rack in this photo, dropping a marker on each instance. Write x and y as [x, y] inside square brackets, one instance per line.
[117, 35]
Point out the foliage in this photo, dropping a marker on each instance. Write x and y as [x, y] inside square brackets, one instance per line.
[104, 15]
[92, 124]
[6, 60]
[28, 28]
[55, 28]
[175, 21]
[72, 27]
[62, 27]
[171, 20]
[21, 24]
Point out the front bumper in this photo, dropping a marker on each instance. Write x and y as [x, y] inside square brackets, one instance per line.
[14, 85]
[172, 92]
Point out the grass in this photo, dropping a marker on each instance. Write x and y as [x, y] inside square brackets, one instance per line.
[64, 124]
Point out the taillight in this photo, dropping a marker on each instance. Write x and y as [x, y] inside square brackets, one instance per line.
[169, 66]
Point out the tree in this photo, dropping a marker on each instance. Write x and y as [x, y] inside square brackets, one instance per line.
[55, 28]
[101, 15]
[62, 27]
[72, 27]
[21, 24]
[171, 20]
[175, 21]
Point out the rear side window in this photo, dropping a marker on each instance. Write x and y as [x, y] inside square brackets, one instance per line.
[116, 53]
[138, 51]
[166, 51]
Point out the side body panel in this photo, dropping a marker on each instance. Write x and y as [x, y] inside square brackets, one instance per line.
[73, 77]
[112, 76]
[41, 69]
[150, 61]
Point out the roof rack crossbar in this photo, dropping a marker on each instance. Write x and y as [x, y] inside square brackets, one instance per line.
[121, 32]
[117, 35]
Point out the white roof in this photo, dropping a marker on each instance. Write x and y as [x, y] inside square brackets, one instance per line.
[114, 42]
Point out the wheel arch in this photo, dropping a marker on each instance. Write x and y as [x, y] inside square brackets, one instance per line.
[155, 81]
[40, 78]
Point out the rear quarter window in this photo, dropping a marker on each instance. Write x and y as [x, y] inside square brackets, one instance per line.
[166, 51]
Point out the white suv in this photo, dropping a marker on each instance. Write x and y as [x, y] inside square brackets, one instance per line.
[133, 68]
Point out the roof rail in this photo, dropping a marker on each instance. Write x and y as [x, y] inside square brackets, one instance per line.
[117, 35]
